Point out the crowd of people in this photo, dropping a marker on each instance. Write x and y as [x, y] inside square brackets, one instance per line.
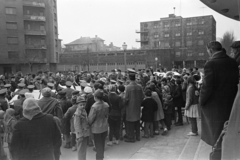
[83, 109]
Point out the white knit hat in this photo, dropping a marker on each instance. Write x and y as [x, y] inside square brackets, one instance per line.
[30, 108]
[88, 89]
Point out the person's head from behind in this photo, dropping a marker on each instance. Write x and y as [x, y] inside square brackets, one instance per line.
[235, 47]
[112, 88]
[213, 47]
[148, 93]
[132, 77]
[98, 95]
[121, 88]
[190, 80]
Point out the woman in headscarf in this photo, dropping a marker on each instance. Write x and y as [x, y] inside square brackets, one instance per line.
[36, 136]
[9, 121]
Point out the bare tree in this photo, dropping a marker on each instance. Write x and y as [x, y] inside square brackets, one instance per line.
[30, 59]
[227, 39]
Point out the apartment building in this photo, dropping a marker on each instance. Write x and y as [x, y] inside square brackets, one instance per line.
[187, 37]
[29, 35]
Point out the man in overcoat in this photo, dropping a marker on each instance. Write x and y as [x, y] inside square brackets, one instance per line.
[218, 92]
[133, 99]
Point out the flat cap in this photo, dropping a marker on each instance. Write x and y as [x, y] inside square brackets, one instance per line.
[7, 85]
[81, 99]
[131, 71]
[30, 86]
[119, 70]
[236, 44]
[75, 92]
[68, 83]
[21, 85]
[3, 91]
[113, 81]
[50, 84]
[113, 70]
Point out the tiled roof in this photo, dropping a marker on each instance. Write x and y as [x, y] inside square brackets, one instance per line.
[85, 40]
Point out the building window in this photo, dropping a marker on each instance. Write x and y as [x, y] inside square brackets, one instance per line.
[12, 40]
[166, 25]
[145, 25]
[13, 55]
[189, 33]
[189, 22]
[12, 25]
[177, 34]
[189, 54]
[55, 16]
[155, 25]
[178, 54]
[57, 56]
[201, 54]
[200, 32]
[177, 24]
[156, 44]
[28, 12]
[56, 30]
[200, 42]
[202, 21]
[42, 28]
[166, 35]
[189, 43]
[156, 36]
[177, 44]
[10, 10]
[166, 45]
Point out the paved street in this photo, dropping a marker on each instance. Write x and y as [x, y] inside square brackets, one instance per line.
[160, 147]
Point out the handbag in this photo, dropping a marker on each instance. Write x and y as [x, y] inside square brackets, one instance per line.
[216, 153]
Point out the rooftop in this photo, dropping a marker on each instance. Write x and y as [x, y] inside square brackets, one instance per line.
[85, 40]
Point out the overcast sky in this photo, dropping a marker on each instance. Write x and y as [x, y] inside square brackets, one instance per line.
[116, 20]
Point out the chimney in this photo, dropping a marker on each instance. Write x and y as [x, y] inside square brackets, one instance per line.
[95, 36]
[111, 44]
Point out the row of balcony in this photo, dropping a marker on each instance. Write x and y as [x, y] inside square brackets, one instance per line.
[33, 4]
[35, 46]
[35, 32]
[34, 18]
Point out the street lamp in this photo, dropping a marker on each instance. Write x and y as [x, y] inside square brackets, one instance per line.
[124, 46]
[156, 59]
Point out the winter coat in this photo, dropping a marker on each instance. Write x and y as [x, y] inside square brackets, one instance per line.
[36, 139]
[217, 94]
[178, 97]
[150, 106]
[98, 117]
[115, 105]
[158, 114]
[133, 100]
[68, 117]
[82, 128]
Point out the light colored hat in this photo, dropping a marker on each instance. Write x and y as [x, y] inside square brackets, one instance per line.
[88, 89]
[30, 108]
[46, 92]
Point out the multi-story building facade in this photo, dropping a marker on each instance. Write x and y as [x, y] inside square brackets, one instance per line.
[29, 35]
[187, 37]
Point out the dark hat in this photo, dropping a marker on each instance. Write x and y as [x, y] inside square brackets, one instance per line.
[113, 81]
[21, 85]
[196, 77]
[50, 84]
[119, 70]
[3, 91]
[75, 92]
[30, 86]
[22, 92]
[7, 85]
[68, 83]
[131, 71]
[62, 93]
[236, 44]
[113, 70]
[81, 99]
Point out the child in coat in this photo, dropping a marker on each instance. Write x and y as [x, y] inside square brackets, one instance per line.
[149, 107]
[82, 128]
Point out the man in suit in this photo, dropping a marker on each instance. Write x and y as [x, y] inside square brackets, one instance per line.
[133, 99]
[218, 92]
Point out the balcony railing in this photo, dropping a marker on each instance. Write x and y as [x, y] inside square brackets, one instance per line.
[142, 40]
[34, 18]
[36, 46]
[35, 32]
[33, 4]
[142, 31]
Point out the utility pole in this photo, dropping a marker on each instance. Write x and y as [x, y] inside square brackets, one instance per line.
[88, 57]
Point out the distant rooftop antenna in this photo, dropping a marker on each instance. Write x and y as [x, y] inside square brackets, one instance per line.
[174, 10]
[180, 10]
[203, 9]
